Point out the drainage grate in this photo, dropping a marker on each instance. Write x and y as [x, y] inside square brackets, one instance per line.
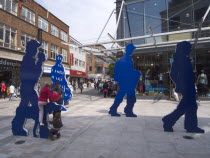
[20, 142]
[188, 137]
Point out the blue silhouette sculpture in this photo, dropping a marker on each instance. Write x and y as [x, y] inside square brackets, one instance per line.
[58, 74]
[182, 75]
[30, 72]
[127, 79]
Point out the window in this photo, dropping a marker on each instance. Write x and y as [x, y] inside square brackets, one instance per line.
[54, 51]
[80, 63]
[9, 5]
[54, 30]
[90, 68]
[64, 36]
[76, 62]
[99, 69]
[64, 53]
[7, 36]
[45, 47]
[89, 60]
[42, 24]
[28, 15]
[83, 64]
[25, 38]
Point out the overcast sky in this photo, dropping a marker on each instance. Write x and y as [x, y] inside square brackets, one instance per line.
[86, 18]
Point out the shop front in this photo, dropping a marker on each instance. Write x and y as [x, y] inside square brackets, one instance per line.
[77, 77]
[155, 69]
[10, 71]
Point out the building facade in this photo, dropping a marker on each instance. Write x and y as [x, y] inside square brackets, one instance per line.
[171, 21]
[19, 23]
[77, 62]
[97, 67]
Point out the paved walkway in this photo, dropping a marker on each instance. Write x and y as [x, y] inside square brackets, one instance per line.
[89, 132]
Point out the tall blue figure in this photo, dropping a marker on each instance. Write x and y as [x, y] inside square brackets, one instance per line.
[127, 79]
[58, 74]
[183, 77]
[30, 72]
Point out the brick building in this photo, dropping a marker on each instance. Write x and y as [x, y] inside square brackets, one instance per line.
[19, 23]
[96, 65]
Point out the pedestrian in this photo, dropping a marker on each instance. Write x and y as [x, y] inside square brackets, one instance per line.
[42, 101]
[105, 88]
[3, 90]
[127, 79]
[81, 86]
[185, 85]
[202, 83]
[11, 92]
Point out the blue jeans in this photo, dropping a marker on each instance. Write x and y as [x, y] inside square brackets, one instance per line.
[11, 96]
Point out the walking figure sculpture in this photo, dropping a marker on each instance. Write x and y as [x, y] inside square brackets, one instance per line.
[30, 72]
[58, 74]
[182, 75]
[127, 79]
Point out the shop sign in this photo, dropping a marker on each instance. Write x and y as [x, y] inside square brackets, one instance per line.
[78, 73]
[47, 70]
[9, 65]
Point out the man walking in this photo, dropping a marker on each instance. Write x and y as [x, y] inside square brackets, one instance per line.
[183, 77]
[127, 79]
[11, 92]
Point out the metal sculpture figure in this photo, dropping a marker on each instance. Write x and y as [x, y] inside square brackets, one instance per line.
[182, 75]
[58, 74]
[127, 79]
[30, 72]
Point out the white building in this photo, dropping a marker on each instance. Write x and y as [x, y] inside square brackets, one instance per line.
[77, 62]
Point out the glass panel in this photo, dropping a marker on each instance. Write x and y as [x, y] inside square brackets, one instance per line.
[8, 5]
[1, 34]
[12, 38]
[155, 18]
[14, 8]
[180, 14]
[133, 21]
[1, 4]
[23, 44]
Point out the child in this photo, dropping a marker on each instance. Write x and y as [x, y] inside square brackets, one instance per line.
[57, 124]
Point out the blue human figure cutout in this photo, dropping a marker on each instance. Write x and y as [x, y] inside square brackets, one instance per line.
[182, 75]
[30, 72]
[127, 79]
[58, 74]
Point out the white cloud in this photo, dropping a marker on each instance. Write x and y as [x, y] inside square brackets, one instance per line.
[86, 18]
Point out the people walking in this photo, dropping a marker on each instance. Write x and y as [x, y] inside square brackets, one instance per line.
[105, 89]
[202, 83]
[182, 75]
[11, 92]
[127, 79]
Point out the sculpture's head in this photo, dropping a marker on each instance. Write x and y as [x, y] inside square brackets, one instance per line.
[129, 49]
[32, 46]
[184, 48]
[59, 59]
